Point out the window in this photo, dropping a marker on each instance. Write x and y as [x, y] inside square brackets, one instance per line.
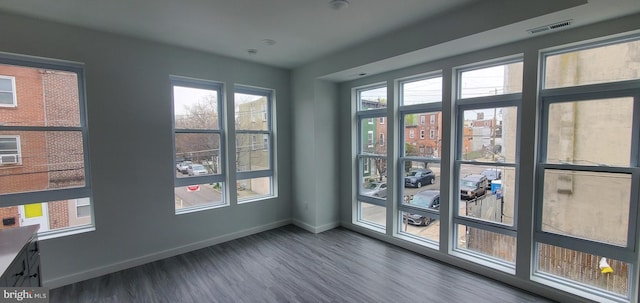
[9, 150]
[432, 134]
[43, 152]
[199, 175]
[419, 178]
[372, 160]
[587, 203]
[432, 119]
[381, 120]
[83, 208]
[254, 161]
[8, 91]
[412, 133]
[486, 163]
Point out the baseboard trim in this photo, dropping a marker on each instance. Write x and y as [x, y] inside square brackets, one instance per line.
[315, 229]
[111, 268]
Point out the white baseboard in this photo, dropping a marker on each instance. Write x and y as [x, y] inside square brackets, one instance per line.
[315, 229]
[111, 268]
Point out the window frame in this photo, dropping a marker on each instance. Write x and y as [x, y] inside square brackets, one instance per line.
[69, 193]
[13, 91]
[220, 131]
[270, 173]
[18, 150]
[478, 103]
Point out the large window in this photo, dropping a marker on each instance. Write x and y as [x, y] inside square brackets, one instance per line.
[43, 146]
[419, 179]
[254, 159]
[372, 159]
[486, 162]
[588, 172]
[199, 173]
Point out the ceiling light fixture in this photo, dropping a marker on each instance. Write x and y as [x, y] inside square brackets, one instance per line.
[339, 4]
[252, 51]
[269, 41]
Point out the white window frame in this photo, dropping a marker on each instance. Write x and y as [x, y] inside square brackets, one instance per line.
[412, 133]
[370, 138]
[381, 120]
[206, 179]
[479, 103]
[269, 134]
[52, 195]
[432, 134]
[628, 253]
[422, 134]
[82, 203]
[18, 151]
[381, 139]
[13, 91]
[403, 110]
[432, 119]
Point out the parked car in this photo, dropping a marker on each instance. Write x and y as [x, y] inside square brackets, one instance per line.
[418, 177]
[182, 166]
[492, 174]
[473, 186]
[376, 189]
[197, 170]
[429, 199]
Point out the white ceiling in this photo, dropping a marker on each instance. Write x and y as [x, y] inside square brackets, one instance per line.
[304, 30]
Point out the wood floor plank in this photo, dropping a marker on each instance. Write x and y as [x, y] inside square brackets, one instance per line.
[289, 264]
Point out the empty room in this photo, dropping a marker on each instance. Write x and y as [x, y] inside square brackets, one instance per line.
[320, 151]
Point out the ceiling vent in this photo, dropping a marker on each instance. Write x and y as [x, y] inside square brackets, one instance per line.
[550, 27]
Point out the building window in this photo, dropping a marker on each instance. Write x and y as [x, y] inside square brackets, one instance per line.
[419, 173]
[83, 208]
[381, 120]
[372, 159]
[9, 150]
[197, 144]
[412, 133]
[432, 119]
[590, 110]
[254, 161]
[43, 153]
[432, 134]
[485, 199]
[8, 96]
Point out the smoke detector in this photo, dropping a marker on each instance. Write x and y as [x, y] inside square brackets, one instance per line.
[339, 4]
[549, 27]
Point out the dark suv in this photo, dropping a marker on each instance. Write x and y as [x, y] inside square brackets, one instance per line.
[473, 186]
[418, 177]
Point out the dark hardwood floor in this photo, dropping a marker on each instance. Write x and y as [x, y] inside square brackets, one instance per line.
[289, 264]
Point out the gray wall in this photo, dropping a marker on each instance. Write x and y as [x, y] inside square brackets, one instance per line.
[129, 114]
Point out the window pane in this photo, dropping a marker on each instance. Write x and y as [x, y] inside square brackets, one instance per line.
[372, 98]
[374, 177]
[46, 160]
[595, 132]
[44, 97]
[489, 134]
[422, 91]
[422, 138]
[6, 85]
[198, 195]
[372, 214]
[51, 215]
[490, 81]
[195, 108]
[252, 153]
[587, 205]
[488, 193]
[487, 243]
[420, 226]
[251, 112]
[200, 149]
[370, 137]
[421, 184]
[255, 188]
[6, 98]
[610, 63]
[583, 268]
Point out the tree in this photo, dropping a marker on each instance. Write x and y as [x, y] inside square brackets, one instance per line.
[199, 147]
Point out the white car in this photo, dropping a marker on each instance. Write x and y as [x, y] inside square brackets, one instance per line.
[197, 170]
[183, 166]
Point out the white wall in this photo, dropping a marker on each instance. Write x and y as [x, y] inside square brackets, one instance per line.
[129, 114]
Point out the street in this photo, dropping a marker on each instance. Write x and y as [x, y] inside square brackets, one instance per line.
[204, 195]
